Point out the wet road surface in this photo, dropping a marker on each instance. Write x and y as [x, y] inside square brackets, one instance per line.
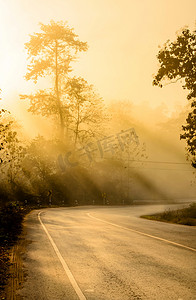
[100, 253]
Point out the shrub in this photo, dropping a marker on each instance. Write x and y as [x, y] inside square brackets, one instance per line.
[11, 217]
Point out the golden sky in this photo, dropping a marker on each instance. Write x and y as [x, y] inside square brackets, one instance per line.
[123, 38]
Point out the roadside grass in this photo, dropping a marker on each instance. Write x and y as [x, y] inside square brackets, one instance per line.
[11, 217]
[185, 216]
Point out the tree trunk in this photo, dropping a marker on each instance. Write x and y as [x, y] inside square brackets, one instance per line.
[57, 94]
[77, 124]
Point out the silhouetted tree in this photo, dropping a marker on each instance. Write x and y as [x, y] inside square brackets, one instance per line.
[12, 154]
[37, 167]
[178, 61]
[86, 110]
[51, 52]
[4, 128]
[190, 133]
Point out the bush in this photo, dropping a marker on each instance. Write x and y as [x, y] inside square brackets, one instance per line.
[11, 217]
[185, 216]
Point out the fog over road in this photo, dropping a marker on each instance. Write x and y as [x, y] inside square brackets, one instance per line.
[100, 253]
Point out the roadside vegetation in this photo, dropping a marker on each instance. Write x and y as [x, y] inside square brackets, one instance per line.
[185, 216]
[11, 217]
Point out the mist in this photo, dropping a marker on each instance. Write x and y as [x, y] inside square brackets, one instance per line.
[80, 118]
[153, 169]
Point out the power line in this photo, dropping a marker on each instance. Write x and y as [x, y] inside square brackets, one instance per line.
[161, 169]
[160, 162]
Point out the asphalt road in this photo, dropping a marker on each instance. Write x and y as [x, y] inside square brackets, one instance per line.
[100, 253]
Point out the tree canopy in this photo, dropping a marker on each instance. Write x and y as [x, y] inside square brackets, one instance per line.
[85, 109]
[52, 50]
[50, 53]
[71, 101]
[178, 61]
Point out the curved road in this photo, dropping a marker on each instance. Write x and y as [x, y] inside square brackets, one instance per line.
[108, 253]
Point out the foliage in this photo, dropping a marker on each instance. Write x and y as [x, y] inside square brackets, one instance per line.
[51, 52]
[42, 102]
[12, 155]
[37, 167]
[185, 216]
[85, 109]
[178, 61]
[11, 216]
[4, 129]
[190, 133]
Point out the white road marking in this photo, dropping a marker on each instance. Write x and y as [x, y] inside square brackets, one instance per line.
[142, 233]
[65, 266]
[64, 227]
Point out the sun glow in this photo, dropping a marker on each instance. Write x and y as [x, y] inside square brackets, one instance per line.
[123, 42]
[12, 54]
